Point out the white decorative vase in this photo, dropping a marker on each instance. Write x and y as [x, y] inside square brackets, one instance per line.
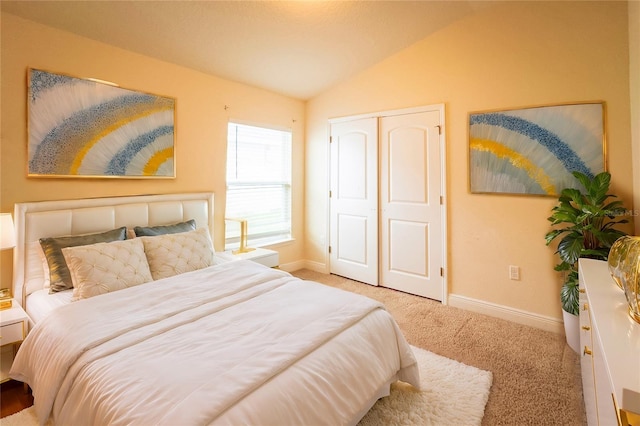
[572, 330]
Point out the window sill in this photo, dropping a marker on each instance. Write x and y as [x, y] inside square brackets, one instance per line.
[271, 245]
[279, 243]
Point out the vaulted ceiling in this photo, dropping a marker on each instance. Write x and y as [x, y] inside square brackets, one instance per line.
[296, 48]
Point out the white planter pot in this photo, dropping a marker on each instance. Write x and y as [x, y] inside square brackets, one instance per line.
[572, 330]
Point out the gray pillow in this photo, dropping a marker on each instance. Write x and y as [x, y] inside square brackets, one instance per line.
[152, 231]
[52, 248]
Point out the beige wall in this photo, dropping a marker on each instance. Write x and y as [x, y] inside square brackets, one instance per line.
[201, 122]
[511, 55]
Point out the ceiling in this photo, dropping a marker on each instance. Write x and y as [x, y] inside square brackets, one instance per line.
[296, 48]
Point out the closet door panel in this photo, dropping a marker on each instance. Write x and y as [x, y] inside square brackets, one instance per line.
[349, 247]
[410, 247]
[410, 211]
[408, 162]
[353, 200]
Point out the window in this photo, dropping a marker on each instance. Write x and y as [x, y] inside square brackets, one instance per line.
[258, 184]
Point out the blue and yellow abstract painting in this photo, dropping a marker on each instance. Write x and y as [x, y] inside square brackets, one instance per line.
[86, 128]
[535, 150]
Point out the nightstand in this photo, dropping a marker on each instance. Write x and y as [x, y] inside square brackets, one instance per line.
[13, 330]
[265, 257]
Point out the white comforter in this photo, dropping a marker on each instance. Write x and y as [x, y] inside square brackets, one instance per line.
[236, 343]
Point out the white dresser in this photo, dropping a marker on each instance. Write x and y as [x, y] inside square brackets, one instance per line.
[610, 349]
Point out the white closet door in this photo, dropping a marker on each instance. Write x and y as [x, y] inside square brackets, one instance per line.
[410, 188]
[354, 200]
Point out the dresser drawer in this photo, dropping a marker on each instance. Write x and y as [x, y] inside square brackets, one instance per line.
[11, 333]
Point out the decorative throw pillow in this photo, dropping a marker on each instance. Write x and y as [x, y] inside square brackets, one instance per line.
[105, 267]
[52, 247]
[174, 254]
[45, 268]
[150, 231]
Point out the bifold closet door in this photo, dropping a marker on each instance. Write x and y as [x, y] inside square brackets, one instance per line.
[386, 217]
[410, 204]
[354, 200]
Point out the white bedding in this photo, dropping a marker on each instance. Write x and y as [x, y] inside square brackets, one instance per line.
[236, 343]
[40, 303]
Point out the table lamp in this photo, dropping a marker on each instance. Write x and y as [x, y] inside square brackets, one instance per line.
[243, 236]
[7, 232]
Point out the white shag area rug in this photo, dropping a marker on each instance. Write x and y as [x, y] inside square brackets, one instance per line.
[452, 394]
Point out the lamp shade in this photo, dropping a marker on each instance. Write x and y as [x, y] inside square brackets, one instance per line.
[7, 231]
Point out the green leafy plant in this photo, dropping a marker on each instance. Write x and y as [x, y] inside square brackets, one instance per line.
[587, 229]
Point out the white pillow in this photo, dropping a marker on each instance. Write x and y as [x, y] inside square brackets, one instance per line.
[105, 267]
[173, 254]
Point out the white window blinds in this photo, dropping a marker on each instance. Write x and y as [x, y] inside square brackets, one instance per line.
[258, 184]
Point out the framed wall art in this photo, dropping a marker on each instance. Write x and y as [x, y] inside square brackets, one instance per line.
[535, 150]
[94, 129]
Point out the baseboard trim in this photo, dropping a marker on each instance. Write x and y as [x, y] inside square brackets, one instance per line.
[504, 312]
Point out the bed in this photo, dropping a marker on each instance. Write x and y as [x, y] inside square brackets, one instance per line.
[185, 342]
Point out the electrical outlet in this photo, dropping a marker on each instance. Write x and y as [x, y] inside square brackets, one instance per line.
[514, 272]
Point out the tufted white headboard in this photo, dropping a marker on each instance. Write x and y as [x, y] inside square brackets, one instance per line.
[84, 216]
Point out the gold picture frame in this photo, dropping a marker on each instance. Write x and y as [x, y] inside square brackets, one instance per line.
[535, 150]
[88, 128]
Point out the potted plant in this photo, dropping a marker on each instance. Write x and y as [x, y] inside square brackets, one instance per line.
[585, 223]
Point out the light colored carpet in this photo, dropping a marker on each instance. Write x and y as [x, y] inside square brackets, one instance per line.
[536, 376]
[452, 393]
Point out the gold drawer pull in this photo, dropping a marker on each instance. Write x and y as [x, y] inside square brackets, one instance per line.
[586, 327]
[582, 290]
[585, 307]
[586, 351]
